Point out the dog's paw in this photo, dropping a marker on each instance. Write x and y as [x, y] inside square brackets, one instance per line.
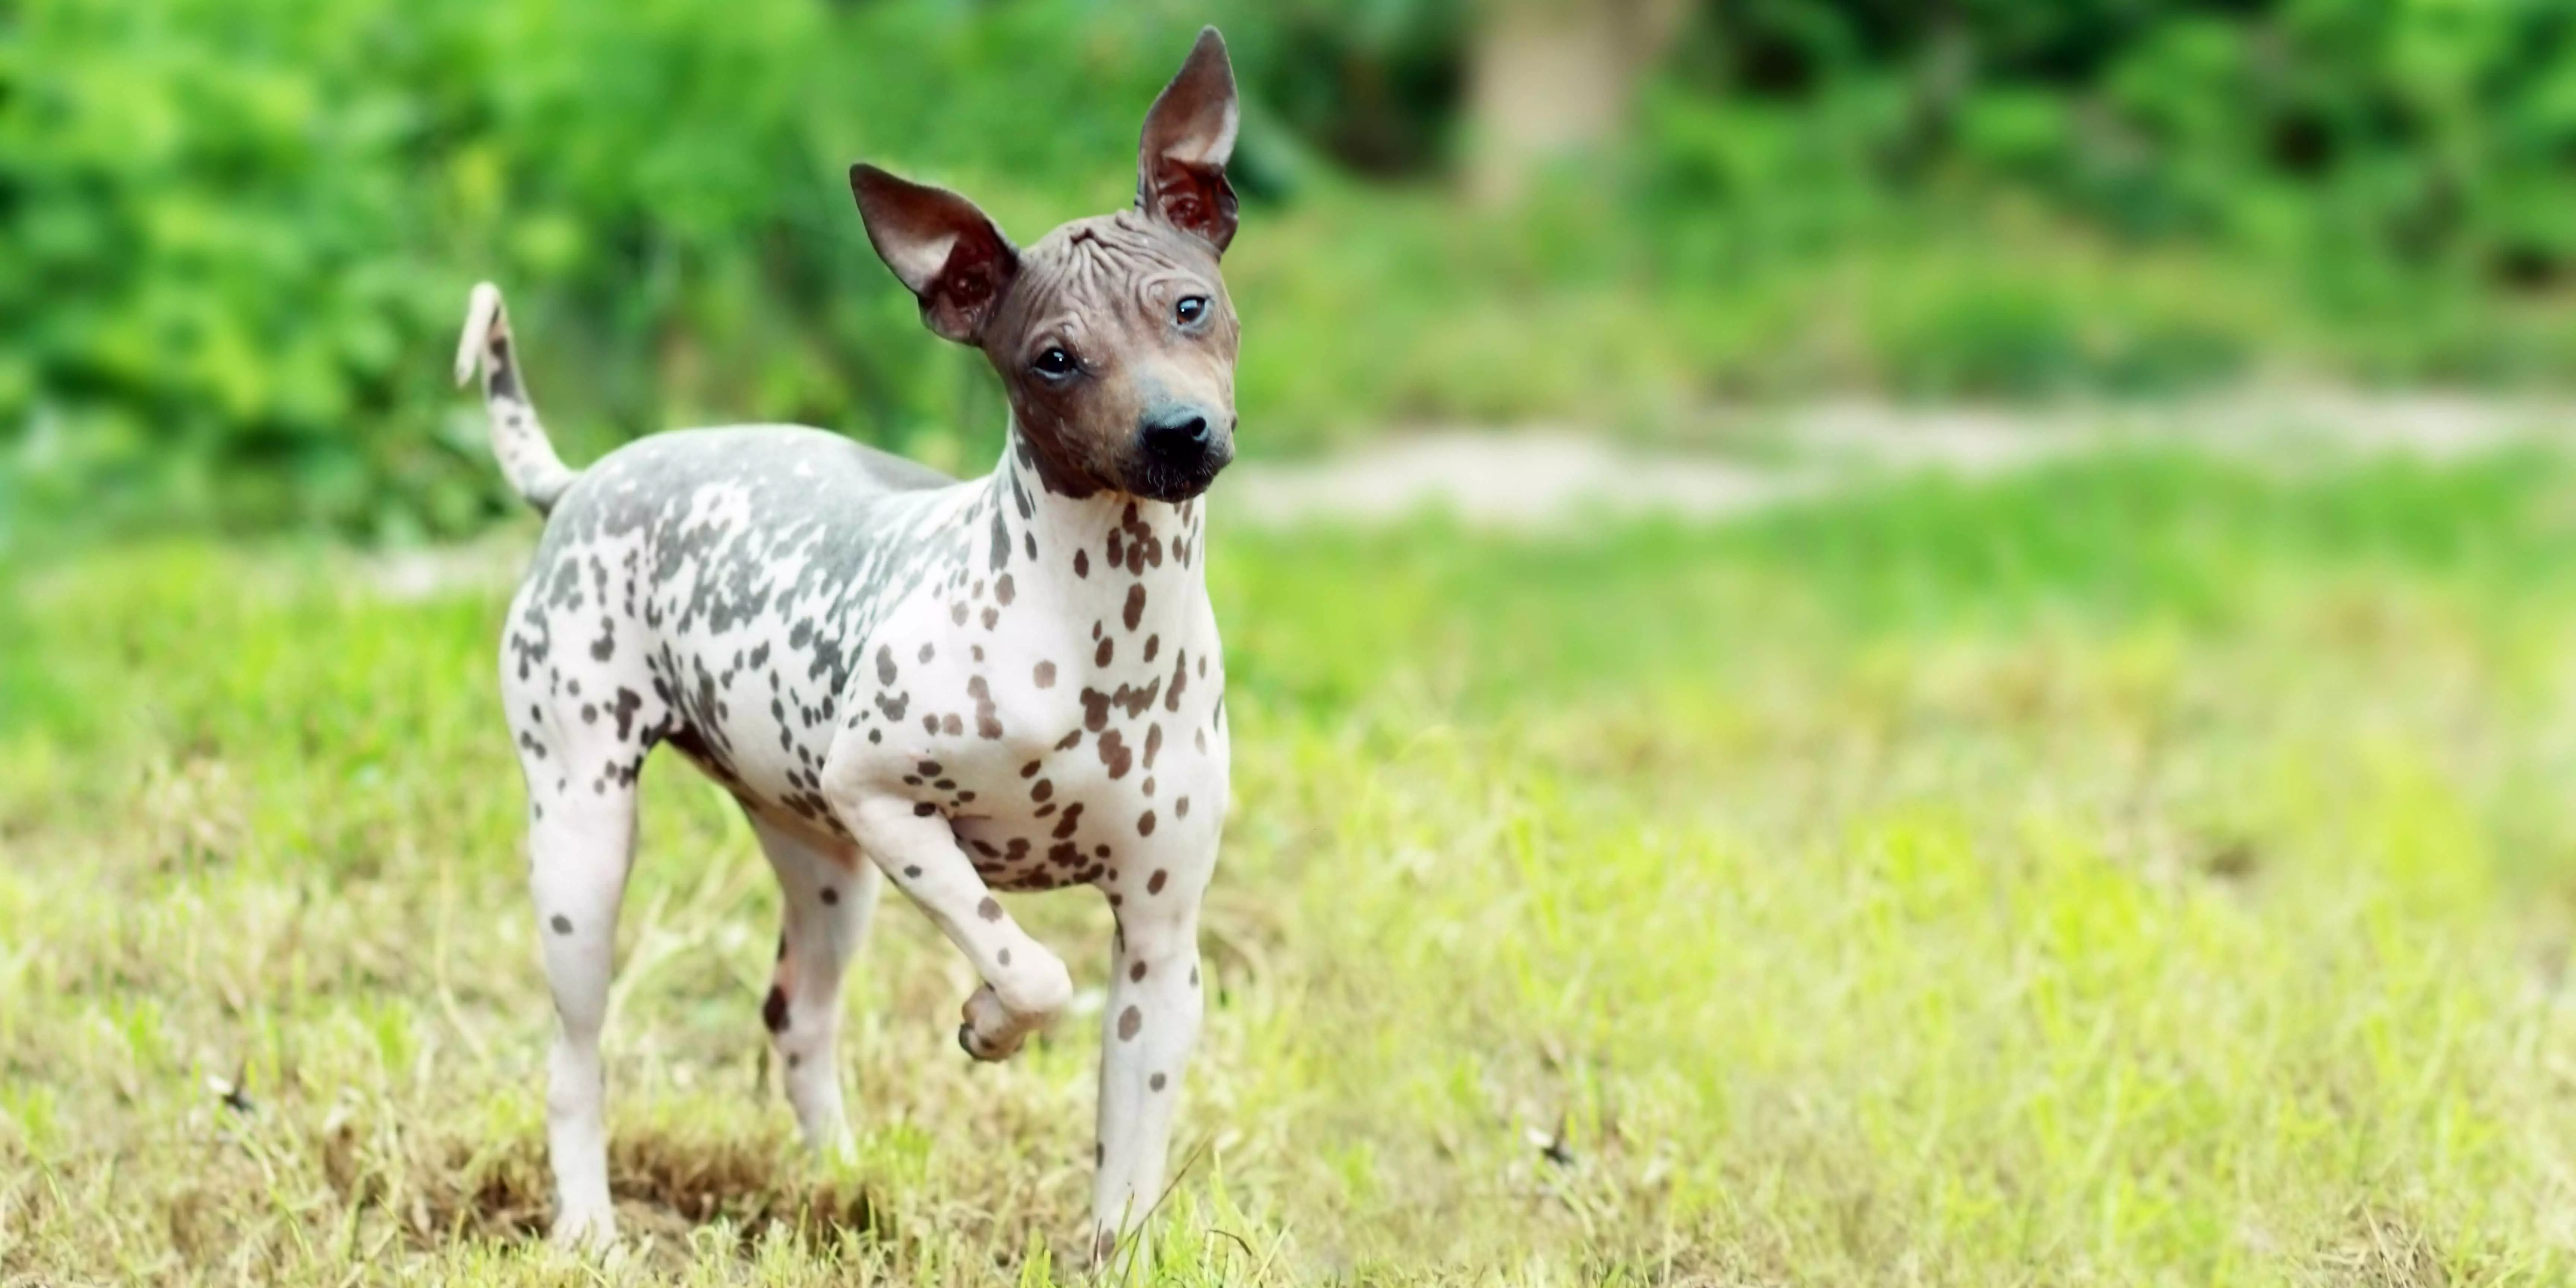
[584, 1229]
[990, 1033]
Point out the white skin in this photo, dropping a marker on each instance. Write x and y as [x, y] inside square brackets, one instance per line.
[1013, 682]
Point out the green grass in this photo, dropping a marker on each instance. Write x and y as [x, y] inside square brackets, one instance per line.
[2146, 871]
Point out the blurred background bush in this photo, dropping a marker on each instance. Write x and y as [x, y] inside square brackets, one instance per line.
[236, 235]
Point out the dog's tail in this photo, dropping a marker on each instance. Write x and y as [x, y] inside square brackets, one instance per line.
[527, 457]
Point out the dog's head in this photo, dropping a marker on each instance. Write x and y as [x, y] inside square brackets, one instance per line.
[1113, 335]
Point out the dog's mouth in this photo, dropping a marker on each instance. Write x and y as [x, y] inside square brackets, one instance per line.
[1176, 481]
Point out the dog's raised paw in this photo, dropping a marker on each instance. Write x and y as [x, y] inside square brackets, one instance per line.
[983, 1052]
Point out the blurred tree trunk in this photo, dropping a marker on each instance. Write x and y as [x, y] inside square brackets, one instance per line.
[1555, 78]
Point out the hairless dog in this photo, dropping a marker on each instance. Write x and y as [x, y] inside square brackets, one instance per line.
[1009, 683]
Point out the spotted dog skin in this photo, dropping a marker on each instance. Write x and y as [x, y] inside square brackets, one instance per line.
[1009, 683]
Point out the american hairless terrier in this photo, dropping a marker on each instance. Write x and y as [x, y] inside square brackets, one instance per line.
[1010, 683]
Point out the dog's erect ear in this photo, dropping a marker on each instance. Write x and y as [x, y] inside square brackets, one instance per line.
[1189, 136]
[945, 250]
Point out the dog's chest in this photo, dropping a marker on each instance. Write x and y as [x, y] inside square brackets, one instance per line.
[1066, 719]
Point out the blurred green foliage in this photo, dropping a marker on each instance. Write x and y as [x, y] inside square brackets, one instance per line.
[235, 235]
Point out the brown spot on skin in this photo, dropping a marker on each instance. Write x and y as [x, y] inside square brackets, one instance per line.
[1029, 770]
[1156, 1082]
[912, 870]
[1154, 883]
[923, 809]
[1153, 645]
[562, 924]
[773, 1010]
[1136, 972]
[1081, 563]
[929, 723]
[1135, 611]
[988, 722]
[1115, 754]
[1149, 786]
[991, 615]
[885, 665]
[1117, 551]
[928, 768]
[952, 726]
[1003, 957]
[1181, 807]
[1004, 591]
[1100, 655]
[1042, 789]
[1072, 819]
[1201, 735]
[1074, 739]
[1129, 1021]
[990, 909]
[1045, 675]
[1153, 744]
[1138, 701]
[957, 612]
[1145, 824]
[926, 652]
[831, 896]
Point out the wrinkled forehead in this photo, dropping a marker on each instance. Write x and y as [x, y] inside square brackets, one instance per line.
[1089, 272]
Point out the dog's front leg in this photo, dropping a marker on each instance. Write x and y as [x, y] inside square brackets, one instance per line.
[1025, 985]
[1147, 1033]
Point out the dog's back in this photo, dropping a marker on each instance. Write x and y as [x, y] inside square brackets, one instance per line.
[696, 579]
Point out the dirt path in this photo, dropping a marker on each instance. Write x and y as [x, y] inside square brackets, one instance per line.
[1545, 475]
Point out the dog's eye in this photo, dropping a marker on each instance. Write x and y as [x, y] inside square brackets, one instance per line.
[1054, 362]
[1190, 309]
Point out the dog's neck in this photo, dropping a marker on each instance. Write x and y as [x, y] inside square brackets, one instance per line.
[1095, 547]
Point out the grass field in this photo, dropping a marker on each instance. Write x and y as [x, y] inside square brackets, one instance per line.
[2143, 871]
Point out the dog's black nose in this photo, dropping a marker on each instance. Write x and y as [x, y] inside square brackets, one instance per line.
[1176, 435]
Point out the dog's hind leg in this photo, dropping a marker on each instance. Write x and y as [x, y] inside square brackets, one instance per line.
[581, 842]
[831, 892]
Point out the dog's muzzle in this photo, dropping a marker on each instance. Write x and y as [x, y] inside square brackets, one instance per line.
[1178, 453]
